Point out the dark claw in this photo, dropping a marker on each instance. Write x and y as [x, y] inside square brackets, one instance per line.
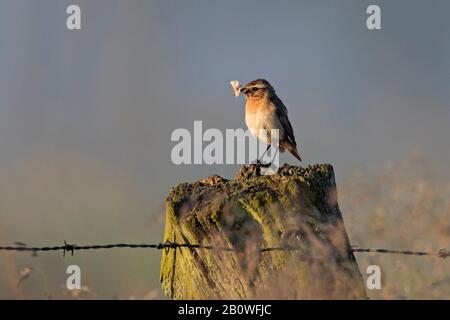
[263, 165]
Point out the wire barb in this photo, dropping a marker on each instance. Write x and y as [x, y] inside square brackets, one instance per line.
[68, 247]
[444, 253]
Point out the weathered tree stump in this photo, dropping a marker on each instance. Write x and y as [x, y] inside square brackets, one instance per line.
[292, 215]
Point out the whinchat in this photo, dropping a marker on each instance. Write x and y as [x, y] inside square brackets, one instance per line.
[264, 111]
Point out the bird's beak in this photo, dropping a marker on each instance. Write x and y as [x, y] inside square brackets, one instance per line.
[244, 90]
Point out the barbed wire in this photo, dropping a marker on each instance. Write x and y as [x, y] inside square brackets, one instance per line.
[443, 253]
[168, 245]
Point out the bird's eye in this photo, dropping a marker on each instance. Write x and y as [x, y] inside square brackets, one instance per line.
[254, 89]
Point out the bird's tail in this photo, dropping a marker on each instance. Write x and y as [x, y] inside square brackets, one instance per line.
[292, 148]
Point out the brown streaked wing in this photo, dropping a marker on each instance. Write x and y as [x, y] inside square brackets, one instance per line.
[282, 114]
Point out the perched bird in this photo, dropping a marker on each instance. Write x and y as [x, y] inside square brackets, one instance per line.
[264, 110]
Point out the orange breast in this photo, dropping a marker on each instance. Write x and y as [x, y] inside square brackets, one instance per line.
[259, 105]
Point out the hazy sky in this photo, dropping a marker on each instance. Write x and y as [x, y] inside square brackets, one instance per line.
[86, 116]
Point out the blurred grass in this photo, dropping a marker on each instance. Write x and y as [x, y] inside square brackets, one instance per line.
[48, 200]
[404, 206]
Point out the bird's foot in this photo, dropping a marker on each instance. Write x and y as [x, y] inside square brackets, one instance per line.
[263, 165]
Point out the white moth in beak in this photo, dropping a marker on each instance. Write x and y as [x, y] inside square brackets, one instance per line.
[236, 87]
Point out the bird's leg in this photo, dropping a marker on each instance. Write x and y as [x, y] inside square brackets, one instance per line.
[267, 149]
[264, 165]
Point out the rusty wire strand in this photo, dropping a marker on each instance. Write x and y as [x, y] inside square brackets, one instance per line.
[443, 253]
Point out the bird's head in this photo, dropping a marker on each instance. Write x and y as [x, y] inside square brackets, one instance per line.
[257, 89]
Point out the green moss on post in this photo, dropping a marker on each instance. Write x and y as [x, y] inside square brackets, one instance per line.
[297, 207]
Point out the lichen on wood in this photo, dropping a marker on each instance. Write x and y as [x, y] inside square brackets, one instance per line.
[295, 208]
